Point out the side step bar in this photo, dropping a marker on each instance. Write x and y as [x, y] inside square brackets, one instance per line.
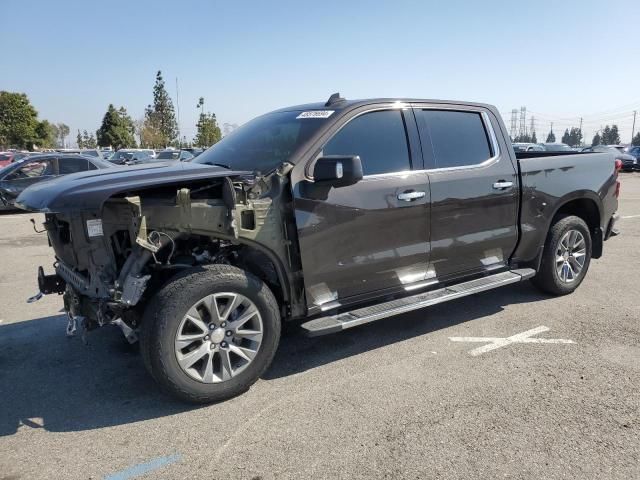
[342, 321]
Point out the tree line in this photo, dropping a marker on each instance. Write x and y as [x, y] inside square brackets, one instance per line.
[20, 127]
[609, 135]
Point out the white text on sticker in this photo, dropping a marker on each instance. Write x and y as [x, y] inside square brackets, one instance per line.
[316, 114]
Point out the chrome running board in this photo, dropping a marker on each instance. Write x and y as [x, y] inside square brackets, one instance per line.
[342, 321]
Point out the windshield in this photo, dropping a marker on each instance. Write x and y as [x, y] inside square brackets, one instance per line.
[169, 155]
[121, 156]
[264, 143]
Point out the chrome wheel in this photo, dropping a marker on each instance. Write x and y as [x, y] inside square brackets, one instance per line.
[218, 337]
[570, 256]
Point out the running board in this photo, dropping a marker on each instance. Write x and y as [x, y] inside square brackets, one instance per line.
[342, 321]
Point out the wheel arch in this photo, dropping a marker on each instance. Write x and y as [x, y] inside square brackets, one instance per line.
[587, 206]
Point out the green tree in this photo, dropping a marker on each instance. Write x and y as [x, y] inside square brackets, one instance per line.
[575, 137]
[551, 137]
[79, 140]
[636, 139]
[597, 140]
[88, 140]
[91, 142]
[566, 138]
[160, 116]
[18, 120]
[610, 135]
[614, 136]
[534, 139]
[117, 129]
[208, 130]
[46, 135]
[63, 131]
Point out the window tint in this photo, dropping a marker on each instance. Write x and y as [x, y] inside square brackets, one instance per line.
[458, 138]
[73, 165]
[379, 138]
[32, 169]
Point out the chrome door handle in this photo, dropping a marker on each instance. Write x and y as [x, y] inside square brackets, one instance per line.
[502, 185]
[410, 196]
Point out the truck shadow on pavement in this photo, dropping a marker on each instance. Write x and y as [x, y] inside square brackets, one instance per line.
[58, 384]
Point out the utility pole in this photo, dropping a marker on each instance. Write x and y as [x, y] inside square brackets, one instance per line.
[581, 136]
[633, 129]
[514, 123]
[523, 121]
[178, 107]
[532, 129]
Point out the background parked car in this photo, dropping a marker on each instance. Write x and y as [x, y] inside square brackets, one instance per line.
[629, 162]
[130, 156]
[17, 176]
[195, 151]
[557, 147]
[180, 155]
[633, 150]
[527, 147]
[6, 158]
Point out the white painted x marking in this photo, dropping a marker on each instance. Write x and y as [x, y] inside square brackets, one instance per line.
[497, 342]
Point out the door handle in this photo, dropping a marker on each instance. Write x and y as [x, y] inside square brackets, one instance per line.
[502, 185]
[410, 196]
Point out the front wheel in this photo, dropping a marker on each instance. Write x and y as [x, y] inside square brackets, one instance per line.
[210, 333]
[566, 256]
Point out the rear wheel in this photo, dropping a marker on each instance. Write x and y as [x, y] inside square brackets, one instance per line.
[566, 256]
[210, 333]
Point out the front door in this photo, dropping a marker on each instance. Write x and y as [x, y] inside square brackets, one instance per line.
[31, 172]
[372, 236]
[474, 190]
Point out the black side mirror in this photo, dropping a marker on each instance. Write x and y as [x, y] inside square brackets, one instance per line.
[337, 170]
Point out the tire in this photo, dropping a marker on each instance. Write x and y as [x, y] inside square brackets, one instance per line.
[165, 324]
[549, 279]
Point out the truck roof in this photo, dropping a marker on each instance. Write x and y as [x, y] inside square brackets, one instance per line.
[340, 104]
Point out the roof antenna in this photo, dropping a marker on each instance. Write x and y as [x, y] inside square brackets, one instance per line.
[335, 98]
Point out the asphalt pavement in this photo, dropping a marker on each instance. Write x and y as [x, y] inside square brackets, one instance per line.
[394, 399]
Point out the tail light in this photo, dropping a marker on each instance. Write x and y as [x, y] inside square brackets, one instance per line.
[618, 165]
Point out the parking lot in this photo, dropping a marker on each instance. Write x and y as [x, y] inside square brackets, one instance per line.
[413, 396]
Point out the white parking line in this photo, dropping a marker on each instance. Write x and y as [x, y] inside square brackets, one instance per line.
[630, 216]
[497, 342]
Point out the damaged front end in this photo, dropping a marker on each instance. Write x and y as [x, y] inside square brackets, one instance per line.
[113, 255]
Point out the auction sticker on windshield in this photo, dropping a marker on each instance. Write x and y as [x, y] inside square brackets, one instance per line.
[316, 114]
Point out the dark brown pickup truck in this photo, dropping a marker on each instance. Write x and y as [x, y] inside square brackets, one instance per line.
[330, 215]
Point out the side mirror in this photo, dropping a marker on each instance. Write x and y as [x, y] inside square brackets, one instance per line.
[337, 170]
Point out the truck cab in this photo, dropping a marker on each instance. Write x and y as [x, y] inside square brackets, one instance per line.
[326, 215]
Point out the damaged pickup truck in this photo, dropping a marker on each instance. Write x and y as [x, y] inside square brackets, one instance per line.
[330, 215]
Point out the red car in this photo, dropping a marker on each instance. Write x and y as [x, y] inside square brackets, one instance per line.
[5, 158]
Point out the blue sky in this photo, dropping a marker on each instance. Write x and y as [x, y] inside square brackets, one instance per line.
[561, 59]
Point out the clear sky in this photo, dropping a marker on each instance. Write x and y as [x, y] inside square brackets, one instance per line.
[561, 59]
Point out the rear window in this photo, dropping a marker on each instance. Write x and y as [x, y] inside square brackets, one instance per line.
[458, 138]
[4, 157]
[168, 155]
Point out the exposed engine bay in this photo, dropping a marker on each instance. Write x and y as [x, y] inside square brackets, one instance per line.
[110, 262]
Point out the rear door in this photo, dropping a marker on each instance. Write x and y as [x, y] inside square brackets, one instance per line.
[74, 164]
[373, 236]
[474, 190]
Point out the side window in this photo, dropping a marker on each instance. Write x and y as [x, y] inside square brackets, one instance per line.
[379, 138]
[458, 138]
[31, 169]
[69, 165]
